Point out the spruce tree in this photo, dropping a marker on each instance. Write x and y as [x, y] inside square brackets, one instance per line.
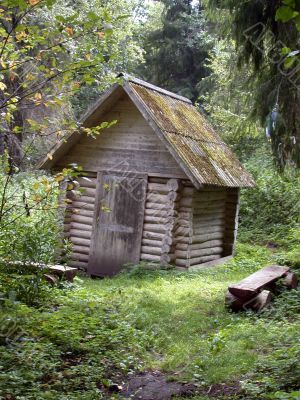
[176, 52]
[266, 34]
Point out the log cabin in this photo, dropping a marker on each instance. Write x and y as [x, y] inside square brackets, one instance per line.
[157, 186]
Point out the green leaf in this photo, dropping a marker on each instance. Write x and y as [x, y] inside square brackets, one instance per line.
[285, 14]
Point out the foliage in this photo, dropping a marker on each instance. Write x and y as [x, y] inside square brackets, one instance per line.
[263, 42]
[227, 98]
[50, 51]
[175, 51]
[77, 349]
[270, 211]
[90, 338]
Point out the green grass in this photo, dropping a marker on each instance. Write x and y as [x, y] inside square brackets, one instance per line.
[139, 320]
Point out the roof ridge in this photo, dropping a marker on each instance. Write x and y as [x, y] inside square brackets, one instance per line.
[158, 89]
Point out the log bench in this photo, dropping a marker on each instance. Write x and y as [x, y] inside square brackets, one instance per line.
[253, 292]
[52, 272]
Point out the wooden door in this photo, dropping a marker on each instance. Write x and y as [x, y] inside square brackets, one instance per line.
[118, 222]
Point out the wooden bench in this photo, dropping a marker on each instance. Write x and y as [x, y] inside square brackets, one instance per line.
[252, 293]
[51, 271]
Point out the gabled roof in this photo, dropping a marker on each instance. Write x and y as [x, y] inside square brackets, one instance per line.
[198, 149]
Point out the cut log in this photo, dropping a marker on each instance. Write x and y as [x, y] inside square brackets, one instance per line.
[165, 259]
[148, 257]
[253, 284]
[51, 278]
[62, 271]
[232, 302]
[259, 302]
[290, 280]
[173, 184]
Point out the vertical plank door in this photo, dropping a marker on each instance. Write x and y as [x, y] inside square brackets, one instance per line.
[118, 222]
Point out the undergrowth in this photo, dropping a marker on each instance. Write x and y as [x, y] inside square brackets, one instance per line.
[93, 335]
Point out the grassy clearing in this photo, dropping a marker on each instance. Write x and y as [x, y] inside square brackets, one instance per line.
[103, 330]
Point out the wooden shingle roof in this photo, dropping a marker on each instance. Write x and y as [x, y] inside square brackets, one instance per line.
[199, 150]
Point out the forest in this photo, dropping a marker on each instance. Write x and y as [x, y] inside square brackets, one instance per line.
[149, 332]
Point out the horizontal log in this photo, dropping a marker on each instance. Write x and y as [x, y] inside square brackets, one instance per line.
[82, 220]
[148, 257]
[158, 220]
[87, 182]
[204, 245]
[85, 199]
[157, 228]
[80, 234]
[215, 218]
[150, 205]
[151, 250]
[187, 191]
[157, 179]
[82, 205]
[204, 259]
[89, 192]
[81, 227]
[78, 264]
[205, 252]
[207, 196]
[208, 229]
[196, 253]
[80, 241]
[158, 188]
[156, 198]
[209, 213]
[79, 256]
[153, 235]
[161, 213]
[152, 243]
[203, 225]
[83, 213]
[81, 249]
[206, 237]
[185, 209]
[184, 263]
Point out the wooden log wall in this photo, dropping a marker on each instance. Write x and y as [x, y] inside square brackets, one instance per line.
[159, 222]
[184, 226]
[202, 220]
[78, 220]
[231, 220]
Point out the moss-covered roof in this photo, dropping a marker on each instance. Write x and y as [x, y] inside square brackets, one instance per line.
[199, 147]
